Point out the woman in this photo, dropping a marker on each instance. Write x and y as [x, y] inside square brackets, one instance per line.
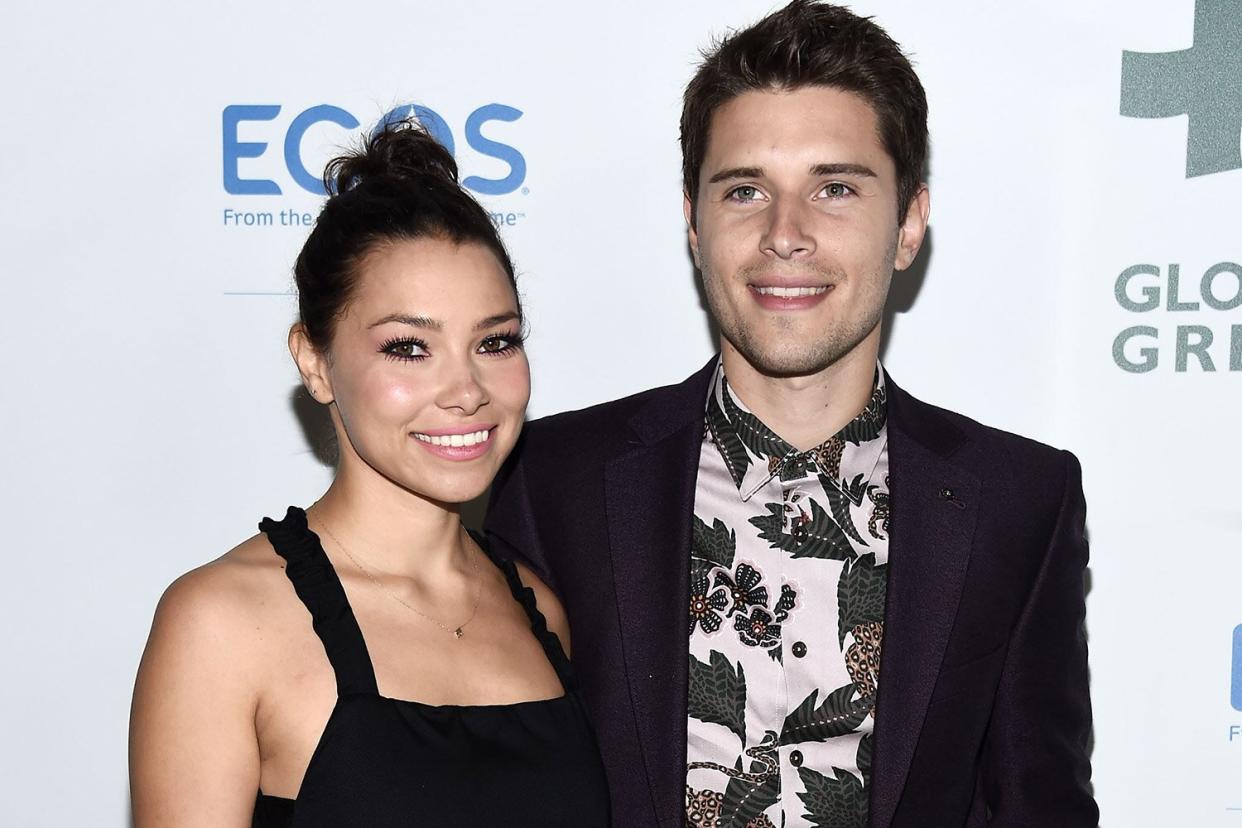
[366, 662]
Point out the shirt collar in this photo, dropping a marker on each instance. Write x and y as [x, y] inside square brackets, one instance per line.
[754, 454]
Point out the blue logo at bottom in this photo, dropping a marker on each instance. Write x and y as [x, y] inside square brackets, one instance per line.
[1235, 691]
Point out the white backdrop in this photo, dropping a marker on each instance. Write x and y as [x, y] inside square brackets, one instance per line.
[149, 415]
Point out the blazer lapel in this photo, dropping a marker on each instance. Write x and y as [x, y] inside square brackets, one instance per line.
[649, 495]
[934, 510]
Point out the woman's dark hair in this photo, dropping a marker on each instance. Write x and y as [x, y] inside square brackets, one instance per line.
[812, 44]
[400, 185]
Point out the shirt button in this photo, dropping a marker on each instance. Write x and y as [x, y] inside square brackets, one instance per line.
[795, 758]
[801, 533]
[799, 649]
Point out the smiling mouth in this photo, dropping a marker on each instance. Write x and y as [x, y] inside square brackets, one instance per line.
[472, 438]
[789, 292]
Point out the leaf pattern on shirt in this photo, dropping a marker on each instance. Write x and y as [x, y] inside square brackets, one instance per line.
[855, 488]
[745, 801]
[747, 796]
[717, 693]
[808, 536]
[860, 594]
[734, 453]
[838, 715]
[868, 424]
[864, 759]
[716, 543]
[839, 502]
[836, 801]
[758, 438]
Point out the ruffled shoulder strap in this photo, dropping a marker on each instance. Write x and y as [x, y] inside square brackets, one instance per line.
[319, 588]
[525, 596]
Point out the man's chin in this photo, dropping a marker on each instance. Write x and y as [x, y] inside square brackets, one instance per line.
[785, 363]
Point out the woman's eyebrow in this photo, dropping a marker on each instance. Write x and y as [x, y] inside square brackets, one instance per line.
[406, 319]
[492, 321]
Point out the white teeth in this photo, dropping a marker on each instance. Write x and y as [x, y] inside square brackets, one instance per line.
[791, 292]
[454, 440]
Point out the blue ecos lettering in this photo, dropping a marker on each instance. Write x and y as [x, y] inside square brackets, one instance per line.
[1235, 688]
[234, 149]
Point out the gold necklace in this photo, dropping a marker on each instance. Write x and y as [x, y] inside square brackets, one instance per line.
[457, 631]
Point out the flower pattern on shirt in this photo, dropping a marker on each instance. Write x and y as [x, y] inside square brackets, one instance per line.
[744, 588]
[705, 605]
[793, 547]
[759, 629]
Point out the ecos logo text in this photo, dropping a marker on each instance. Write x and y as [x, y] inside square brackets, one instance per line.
[1235, 689]
[235, 149]
[1203, 82]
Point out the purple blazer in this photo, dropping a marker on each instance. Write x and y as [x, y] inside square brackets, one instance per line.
[983, 713]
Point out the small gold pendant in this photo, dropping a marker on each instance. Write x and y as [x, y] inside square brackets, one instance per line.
[457, 633]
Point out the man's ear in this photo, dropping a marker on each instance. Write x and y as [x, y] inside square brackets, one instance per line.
[687, 209]
[913, 229]
[312, 365]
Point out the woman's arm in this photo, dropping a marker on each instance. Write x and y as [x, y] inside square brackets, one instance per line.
[193, 755]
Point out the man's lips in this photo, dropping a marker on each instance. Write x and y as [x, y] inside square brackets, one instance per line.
[785, 297]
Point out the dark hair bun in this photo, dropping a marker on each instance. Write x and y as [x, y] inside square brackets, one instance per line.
[400, 150]
[400, 184]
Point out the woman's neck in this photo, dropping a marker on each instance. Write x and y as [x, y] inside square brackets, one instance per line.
[392, 529]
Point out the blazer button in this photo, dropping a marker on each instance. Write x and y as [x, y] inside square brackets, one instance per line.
[799, 649]
[795, 758]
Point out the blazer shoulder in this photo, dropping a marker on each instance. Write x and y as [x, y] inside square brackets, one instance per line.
[615, 417]
[991, 451]
[1034, 479]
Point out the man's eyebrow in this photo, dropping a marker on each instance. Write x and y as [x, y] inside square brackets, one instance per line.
[733, 173]
[843, 169]
[492, 321]
[736, 172]
[406, 319]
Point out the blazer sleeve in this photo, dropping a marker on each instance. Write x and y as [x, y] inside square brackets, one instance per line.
[510, 524]
[1038, 771]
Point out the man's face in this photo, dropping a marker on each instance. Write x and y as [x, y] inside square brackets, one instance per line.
[797, 233]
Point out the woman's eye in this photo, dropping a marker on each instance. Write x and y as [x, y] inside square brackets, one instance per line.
[497, 344]
[744, 193]
[405, 349]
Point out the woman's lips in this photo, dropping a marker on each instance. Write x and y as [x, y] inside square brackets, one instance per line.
[457, 443]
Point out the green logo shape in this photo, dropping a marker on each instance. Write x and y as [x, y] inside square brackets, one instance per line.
[1203, 82]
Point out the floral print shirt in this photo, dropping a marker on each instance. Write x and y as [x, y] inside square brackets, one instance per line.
[786, 616]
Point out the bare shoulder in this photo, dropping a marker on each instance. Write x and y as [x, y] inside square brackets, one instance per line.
[194, 756]
[548, 603]
[215, 610]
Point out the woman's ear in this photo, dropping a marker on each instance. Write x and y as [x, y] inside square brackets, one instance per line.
[312, 364]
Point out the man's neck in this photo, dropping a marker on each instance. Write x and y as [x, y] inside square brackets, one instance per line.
[806, 410]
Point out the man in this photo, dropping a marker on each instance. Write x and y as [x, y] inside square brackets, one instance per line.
[798, 595]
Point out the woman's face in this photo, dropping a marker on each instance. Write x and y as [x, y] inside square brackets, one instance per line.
[427, 368]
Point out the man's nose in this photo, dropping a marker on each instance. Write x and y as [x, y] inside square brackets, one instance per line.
[787, 235]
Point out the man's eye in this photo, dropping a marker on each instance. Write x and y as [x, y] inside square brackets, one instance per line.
[744, 193]
[837, 190]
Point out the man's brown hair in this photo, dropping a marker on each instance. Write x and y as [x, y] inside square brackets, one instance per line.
[812, 44]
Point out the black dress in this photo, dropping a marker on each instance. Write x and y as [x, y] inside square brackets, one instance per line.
[388, 762]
